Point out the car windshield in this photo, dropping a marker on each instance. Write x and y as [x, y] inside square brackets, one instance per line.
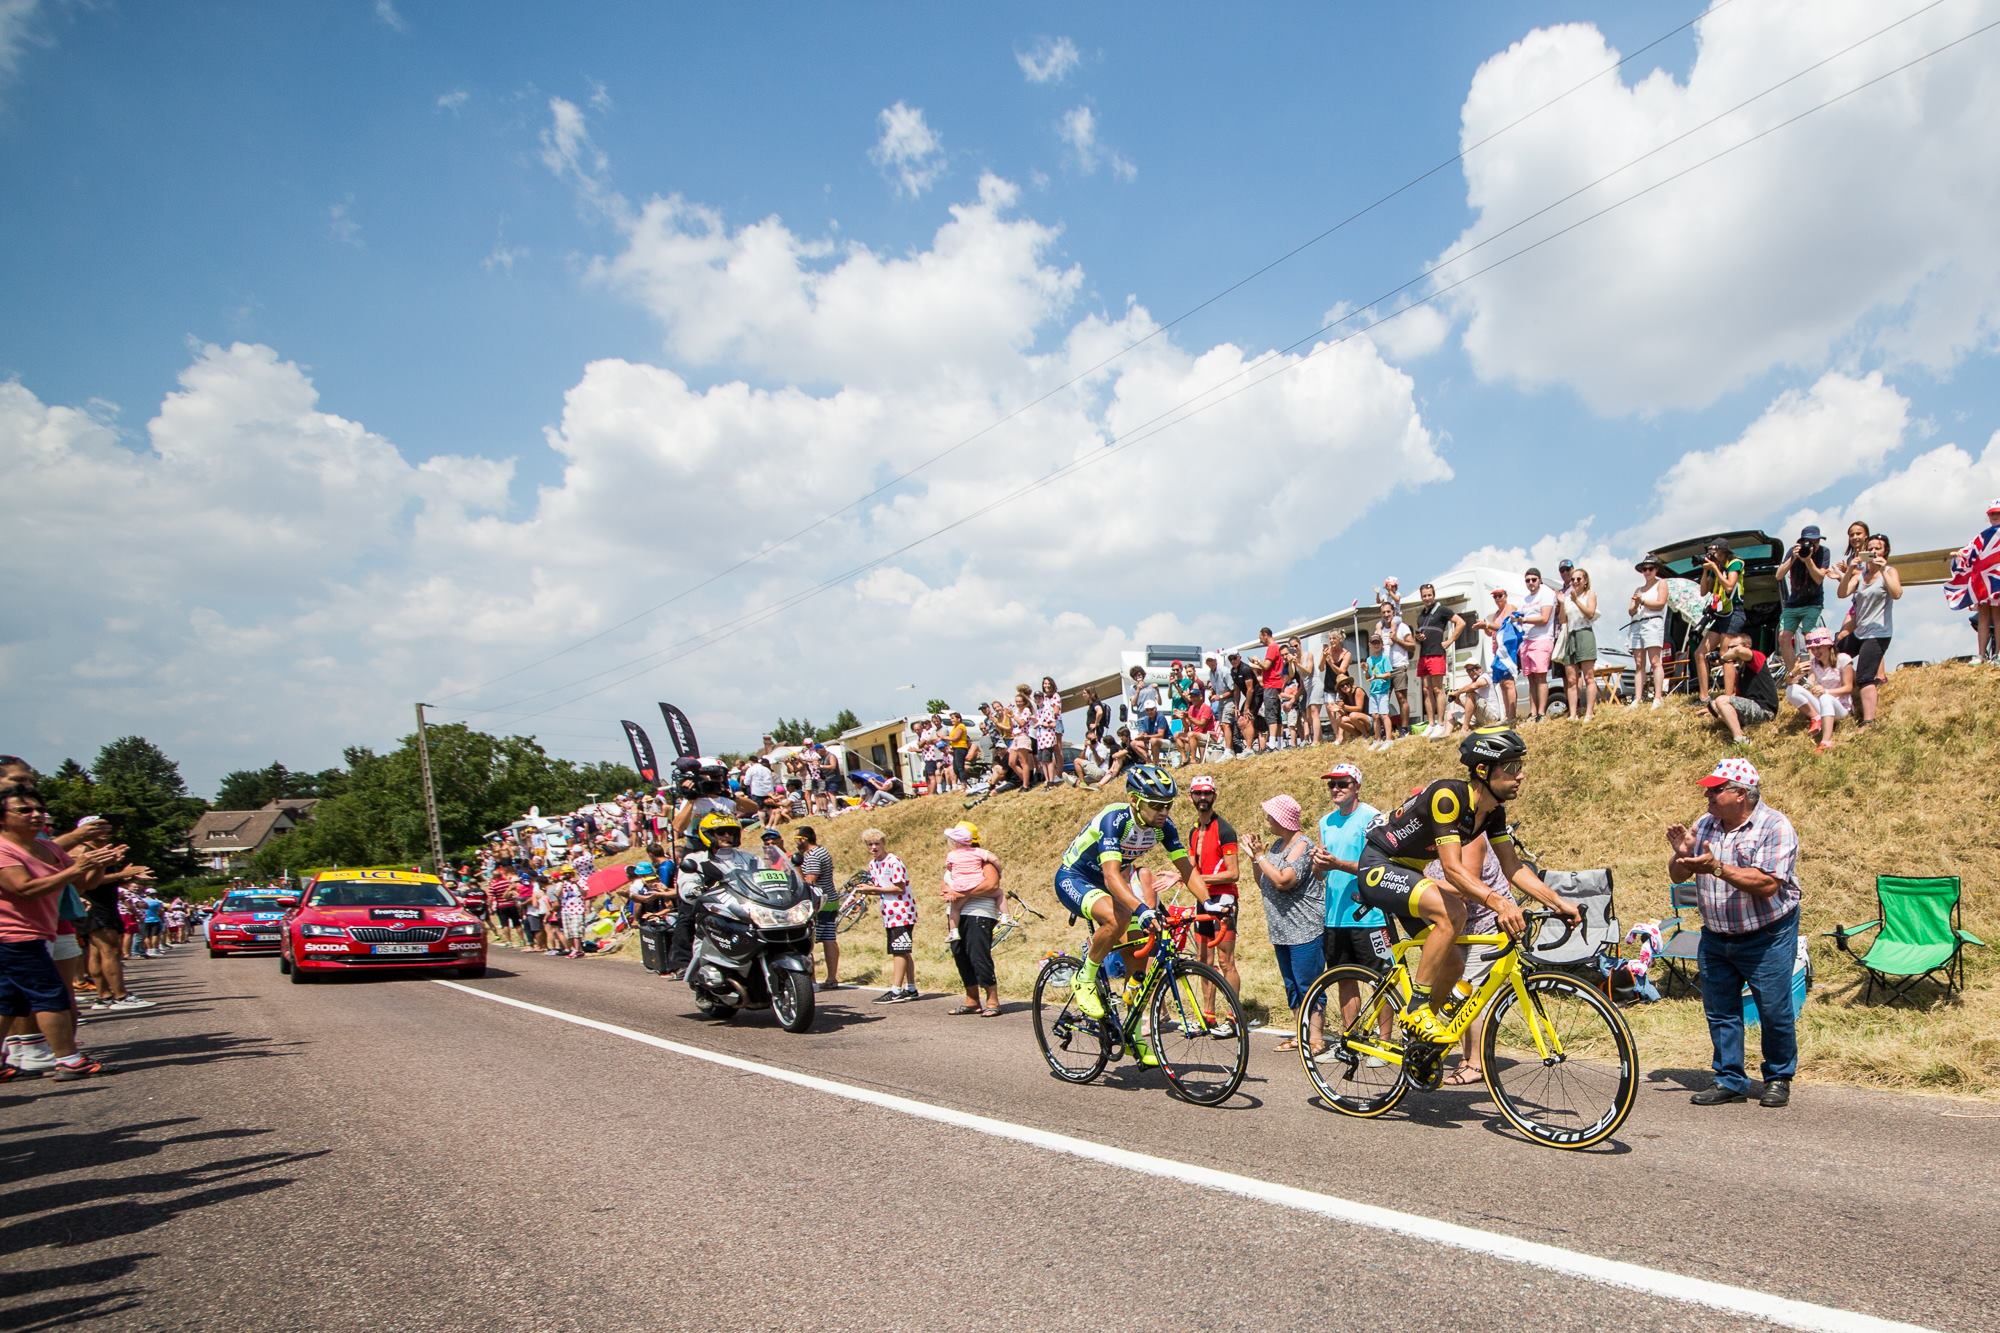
[250, 902]
[379, 893]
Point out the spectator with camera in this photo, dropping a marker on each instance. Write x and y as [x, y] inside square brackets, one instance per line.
[1724, 622]
[1744, 670]
[1801, 595]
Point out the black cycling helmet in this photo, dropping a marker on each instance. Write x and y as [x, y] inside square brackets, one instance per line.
[1491, 745]
[1149, 782]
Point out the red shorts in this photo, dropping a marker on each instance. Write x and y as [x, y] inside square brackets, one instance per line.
[1430, 666]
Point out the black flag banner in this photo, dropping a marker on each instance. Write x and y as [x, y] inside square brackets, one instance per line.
[642, 752]
[680, 731]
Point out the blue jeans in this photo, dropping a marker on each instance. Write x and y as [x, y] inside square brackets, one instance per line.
[1764, 958]
[1300, 965]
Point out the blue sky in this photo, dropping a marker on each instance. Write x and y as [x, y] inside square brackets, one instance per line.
[351, 369]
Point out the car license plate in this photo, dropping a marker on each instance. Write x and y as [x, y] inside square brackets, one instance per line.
[401, 948]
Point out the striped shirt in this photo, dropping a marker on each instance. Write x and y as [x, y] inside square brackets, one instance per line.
[1764, 841]
[816, 869]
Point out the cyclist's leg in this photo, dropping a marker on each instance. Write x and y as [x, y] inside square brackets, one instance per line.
[1443, 962]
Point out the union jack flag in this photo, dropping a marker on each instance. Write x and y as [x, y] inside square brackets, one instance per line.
[1975, 573]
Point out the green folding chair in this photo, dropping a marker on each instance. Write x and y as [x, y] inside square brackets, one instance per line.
[1917, 936]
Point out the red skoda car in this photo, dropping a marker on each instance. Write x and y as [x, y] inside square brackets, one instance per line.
[247, 921]
[356, 920]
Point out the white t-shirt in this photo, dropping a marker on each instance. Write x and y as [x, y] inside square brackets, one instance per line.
[757, 780]
[1543, 600]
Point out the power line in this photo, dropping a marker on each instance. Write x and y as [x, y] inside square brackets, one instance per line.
[1083, 375]
[1187, 408]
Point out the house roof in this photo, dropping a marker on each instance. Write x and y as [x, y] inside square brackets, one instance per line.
[236, 830]
[294, 805]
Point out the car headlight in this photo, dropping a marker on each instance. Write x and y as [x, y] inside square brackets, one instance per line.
[334, 932]
[771, 918]
[467, 928]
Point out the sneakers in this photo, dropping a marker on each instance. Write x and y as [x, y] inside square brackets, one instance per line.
[1088, 1001]
[1423, 1024]
[76, 1066]
[889, 996]
[1222, 1031]
[903, 996]
[951, 936]
[30, 1055]
[129, 1002]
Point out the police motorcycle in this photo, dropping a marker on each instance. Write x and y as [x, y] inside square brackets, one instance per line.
[752, 929]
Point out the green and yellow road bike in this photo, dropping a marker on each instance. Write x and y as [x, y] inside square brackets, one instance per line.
[1155, 1015]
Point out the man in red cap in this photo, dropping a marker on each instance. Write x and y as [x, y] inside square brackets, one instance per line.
[1213, 844]
[1743, 857]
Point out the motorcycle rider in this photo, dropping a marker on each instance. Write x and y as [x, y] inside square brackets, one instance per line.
[718, 837]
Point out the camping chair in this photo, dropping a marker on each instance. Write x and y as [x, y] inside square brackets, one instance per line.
[1680, 941]
[1917, 935]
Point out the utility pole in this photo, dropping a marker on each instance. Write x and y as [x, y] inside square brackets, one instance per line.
[430, 797]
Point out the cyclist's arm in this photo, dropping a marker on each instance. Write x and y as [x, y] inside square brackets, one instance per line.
[1461, 874]
[1117, 885]
[1523, 878]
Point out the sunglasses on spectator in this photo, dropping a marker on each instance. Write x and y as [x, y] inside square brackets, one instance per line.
[1340, 782]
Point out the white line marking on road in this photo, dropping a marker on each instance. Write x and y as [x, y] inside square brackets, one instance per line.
[1594, 1268]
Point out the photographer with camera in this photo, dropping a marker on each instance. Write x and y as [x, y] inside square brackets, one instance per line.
[1801, 595]
[701, 787]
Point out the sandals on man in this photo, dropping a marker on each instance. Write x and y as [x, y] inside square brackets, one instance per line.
[989, 1013]
[958, 1009]
[1462, 1076]
[1288, 1044]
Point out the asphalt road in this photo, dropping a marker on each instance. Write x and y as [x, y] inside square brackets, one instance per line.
[392, 1153]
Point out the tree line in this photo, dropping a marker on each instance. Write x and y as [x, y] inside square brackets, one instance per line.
[369, 812]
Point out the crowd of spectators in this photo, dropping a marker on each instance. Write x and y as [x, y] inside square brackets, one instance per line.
[74, 911]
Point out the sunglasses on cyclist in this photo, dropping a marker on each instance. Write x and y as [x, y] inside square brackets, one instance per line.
[1157, 805]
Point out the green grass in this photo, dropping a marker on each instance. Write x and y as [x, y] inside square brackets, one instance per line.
[1912, 795]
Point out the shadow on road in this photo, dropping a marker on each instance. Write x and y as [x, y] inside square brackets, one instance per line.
[198, 1048]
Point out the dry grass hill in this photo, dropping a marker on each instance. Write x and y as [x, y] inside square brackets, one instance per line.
[1912, 795]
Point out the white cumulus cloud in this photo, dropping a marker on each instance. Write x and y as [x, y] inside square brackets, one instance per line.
[386, 12]
[1861, 227]
[908, 151]
[1049, 60]
[453, 100]
[1078, 131]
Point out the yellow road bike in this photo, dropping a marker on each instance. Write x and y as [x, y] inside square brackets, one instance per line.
[1559, 1059]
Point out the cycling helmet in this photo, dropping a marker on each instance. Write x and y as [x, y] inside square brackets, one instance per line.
[1492, 745]
[712, 824]
[1202, 786]
[1150, 782]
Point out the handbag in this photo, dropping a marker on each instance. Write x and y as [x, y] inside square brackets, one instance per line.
[72, 907]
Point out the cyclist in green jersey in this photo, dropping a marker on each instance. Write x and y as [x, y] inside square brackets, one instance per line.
[1093, 881]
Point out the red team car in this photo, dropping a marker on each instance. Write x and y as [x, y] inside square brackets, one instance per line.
[355, 920]
[247, 921]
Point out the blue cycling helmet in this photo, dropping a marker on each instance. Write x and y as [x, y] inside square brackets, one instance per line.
[1150, 782]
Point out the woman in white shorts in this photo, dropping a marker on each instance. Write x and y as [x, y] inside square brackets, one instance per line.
[1825, 694]
[1648, 630]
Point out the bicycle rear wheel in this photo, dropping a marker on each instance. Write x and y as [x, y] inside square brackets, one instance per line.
[1073, 1043]
[1356, 1069]
[852, 908]
[1563, 1069]
[1201, 1066]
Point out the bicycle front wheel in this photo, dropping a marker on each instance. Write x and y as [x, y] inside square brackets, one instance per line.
[1357, 1069]
[1202, 1052]
[1563, 1069]
[1074, 1044]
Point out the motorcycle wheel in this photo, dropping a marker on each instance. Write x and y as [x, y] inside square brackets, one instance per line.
[792, 1002]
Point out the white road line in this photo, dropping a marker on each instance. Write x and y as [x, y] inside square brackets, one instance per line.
[1608, 1272]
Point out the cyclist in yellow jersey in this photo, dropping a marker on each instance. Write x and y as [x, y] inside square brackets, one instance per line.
[1442, 822]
